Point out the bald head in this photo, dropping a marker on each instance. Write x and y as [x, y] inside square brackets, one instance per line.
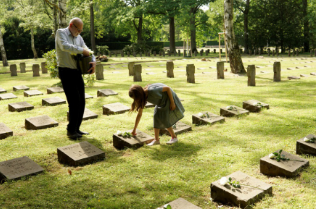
[75, 26]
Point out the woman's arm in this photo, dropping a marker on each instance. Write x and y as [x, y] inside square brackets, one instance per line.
[169, 92]
[138, 117]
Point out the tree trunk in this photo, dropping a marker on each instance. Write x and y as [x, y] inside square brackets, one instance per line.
[62, 13]
[33, 45]
[3, 53]
[235, 60]
[306, 27]
[246, 38]
[93, 47]
[55, 18]
[172, 46]
[140, 29]
[193, 31]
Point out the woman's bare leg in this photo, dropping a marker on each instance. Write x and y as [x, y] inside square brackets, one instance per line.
[172, 134]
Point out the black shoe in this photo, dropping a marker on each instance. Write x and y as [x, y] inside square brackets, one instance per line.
[73, 135]
[83, 133]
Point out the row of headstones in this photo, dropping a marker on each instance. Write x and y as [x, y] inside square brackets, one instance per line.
[35, 69]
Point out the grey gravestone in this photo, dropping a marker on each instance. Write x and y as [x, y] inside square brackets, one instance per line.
[87, 96]
[2, 90]
[122, 53]
[290, 68]
[105, 93]
[114, 108]
[7, 96]
[5, 131]
[44, 67]
[251, 190]
[16, 88]
[181, 203]
[54, 90]
[313, 73]
[277, 71]
[254, 105]
[17, 168]
[303, 75]
[251, 73]
[190, 69]
[210, 119]
[32, 93]
[22, 67]
[293, 77]
[53, 101]
[170, 67]
[99, 72]
[137, 72]
[20, 106]
[307, 148]
[120, 142]
[88, 114]
[129, 54]
[13, 70]
[220, 70]
[36, 70]
[149, 105]
[178, 128]
[289, 168]
[39, 122]
[131, 68]
[79, 154]
[231, 111]
[214, 51]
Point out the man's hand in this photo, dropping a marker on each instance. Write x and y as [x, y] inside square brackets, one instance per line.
[85, 53]
[92, 69]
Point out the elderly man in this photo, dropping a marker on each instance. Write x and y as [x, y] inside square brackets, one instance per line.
[68, 41]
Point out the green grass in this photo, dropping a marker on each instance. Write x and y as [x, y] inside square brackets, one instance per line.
[152, 176]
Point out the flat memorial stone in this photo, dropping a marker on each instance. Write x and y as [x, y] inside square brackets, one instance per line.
[54, 90]
[88, 114]
[32, 93]
[149, 105]
[293, 77]
[2, 90]
[87, 96]
[304, 75]
[7, 96]
[53, 101]
[288, 168]
[5, 131]
[251, 190]
[231, 111]
[79, 154]
[17, 168]
[39, 122]
[114, 108]
[120, 142]
[181, 203]
[254, 105]
[178, 128]
[20, 106]
[106, 92]
[210, 119]
[312, 73]
[17, 88]
[304, 147]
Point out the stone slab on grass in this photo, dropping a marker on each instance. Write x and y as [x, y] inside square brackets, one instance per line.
[312, 73]
[87, 96]
[289, 168]
[40, 122]
[304, 75]
[88, 114]
[17, 168]
[7, 96]
[203, 120]
[53, 101]
[22, 87]
[178, 128]
[293, 77]
[32, 93]
[115, 108]
[2, 90]
[53, 90]
[20, 106]
[141, 138]
[232, 110]
[149, 105]
[181, 203]
[243, 196]
[307, 148]
[254, 105]
[79, 154]
[106, 92]
[5, 131]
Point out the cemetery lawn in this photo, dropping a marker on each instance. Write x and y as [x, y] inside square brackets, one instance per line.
[150, 177]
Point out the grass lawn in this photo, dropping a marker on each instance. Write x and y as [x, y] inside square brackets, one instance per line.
[153, 176]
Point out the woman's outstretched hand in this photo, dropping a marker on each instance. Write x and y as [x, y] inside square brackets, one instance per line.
[172, 106]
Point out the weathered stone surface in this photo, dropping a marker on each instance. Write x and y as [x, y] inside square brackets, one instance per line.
[137, 72]
[170, 67]
[289, 168]
[79, 154]
[13, 70]
[114, 108]
[40, 122]
[312, 73]
[131, 68]
[99, 72]
[53, 101]
[181, 203]
[293, 77]
[190, 69]
[44, 67]
[5, 131]
[17, 88]
[207, 120]
[119, 142]
[88, 114]
[106, 92]
[7, 96]
[307, 148]
[17, 168]
[2, 90]
[53, 90]
[20, 106]
[251, 73]
[254, 105]
[22, 67]
[36, 70]
[244, 196]
[178, 128]
[87, 96]
[303, 75]
[235, 111]
[30, 93]
[277, 71]
[149, 105]
[220, 70]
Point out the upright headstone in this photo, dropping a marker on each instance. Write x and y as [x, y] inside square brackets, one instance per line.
[5, 131]
[44, 67]
[311, 53]
[190, 73]
[122, 53]
[128, 53]
[13, 70]
[297, 52]
[277, 52]
[276, 71]
[170, 67]
[131, 68]
[110, 53]
[184, 53]
[99, 71]
[220, 70]
[22, 67]
[134, 53]
[195, 53]
[273, 52]
[201, 53]
[269, 52]
[214, 51]
[221, 51]
[36, 70]
[249, 51]
[40, 122]
[251, 73]
[206, 53]
[289, 52]
[179, 53]
[155, 53]
[137, 72]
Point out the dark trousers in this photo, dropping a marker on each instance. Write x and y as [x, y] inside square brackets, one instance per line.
[73, 85]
